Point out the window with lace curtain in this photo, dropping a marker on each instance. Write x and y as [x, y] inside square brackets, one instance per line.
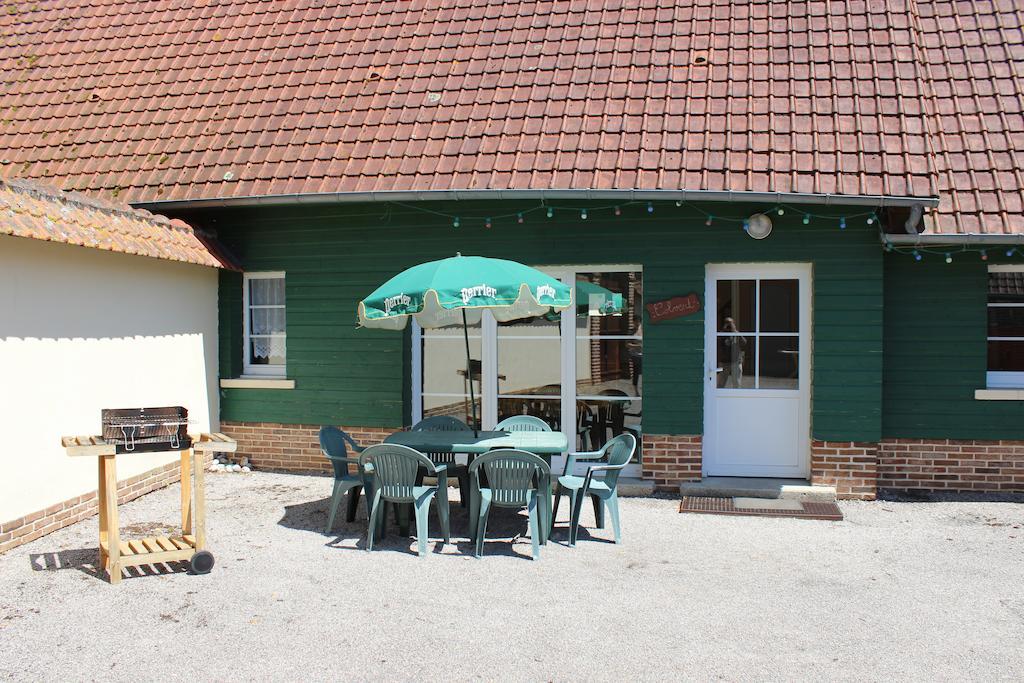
[264, 324]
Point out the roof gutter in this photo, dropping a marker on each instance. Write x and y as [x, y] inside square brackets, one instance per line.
[932, 239]
[580, 194]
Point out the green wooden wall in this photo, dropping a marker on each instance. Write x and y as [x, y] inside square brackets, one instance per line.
[334, 255]
[935, 351]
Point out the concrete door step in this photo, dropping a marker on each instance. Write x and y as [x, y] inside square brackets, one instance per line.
[631, 486]
[757, 487]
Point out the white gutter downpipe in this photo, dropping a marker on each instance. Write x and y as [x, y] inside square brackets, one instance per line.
[877, 201]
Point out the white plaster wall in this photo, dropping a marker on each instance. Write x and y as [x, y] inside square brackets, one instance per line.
[82, 330]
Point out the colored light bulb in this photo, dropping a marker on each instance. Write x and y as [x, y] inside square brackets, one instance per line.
[650, 207]
[519, 218]
[807, 219]
[456, 223]
[551, 212]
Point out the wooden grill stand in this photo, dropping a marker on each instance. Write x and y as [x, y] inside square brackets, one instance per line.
[116, 554]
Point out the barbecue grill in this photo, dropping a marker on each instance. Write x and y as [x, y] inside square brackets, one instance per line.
[145, 430]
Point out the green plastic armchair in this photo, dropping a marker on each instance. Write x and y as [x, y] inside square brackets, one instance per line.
[333, 445]
[600, 483]
[522, 423]
[395, 470]
[446, 423]
[514, 480]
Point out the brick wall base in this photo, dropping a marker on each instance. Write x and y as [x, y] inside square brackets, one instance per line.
[669, 460]
[291, 448]
[42, 522]
[850, 466]
[951, 465]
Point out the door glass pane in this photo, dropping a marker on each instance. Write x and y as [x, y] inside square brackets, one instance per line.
[736, 355]
[779, 364]
[736, 305]
[1006, 356]
[1006, 321]
[780, 306]
[600, 419]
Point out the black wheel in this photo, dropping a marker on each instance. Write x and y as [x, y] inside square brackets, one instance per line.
[201, 562]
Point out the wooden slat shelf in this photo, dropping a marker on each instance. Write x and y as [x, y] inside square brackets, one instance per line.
[155, 549]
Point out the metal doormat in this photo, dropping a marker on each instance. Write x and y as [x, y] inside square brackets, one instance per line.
[795, 509]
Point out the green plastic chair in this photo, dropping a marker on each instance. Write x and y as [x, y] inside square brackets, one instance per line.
[445, 423]
[513, 481]
[395, 470]
[333, 445]
[600, 483]
[522, 423]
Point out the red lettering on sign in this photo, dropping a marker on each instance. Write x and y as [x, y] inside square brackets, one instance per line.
[676, 307]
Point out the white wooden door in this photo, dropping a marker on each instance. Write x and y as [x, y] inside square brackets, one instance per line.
[757, 370]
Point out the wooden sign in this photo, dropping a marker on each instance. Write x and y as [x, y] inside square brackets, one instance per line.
[676, 307]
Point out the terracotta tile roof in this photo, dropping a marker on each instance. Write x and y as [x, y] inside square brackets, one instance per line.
[974, 59]
[29, 209]
[149, 101]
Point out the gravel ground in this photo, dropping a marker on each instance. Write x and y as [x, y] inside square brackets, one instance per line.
[907, 590]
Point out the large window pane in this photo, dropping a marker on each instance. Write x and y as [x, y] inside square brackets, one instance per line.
[266, 350]
[736, 355]
[1006, 356]
[547, 408]
[599, 419]
[1006, 288]
[454, 406]
[736, 305]
[1006, 321]
[529, 366]
[779, 365]
[608, 364]
[444, 362]
[780, 306]
[608, 303]
[266, 292]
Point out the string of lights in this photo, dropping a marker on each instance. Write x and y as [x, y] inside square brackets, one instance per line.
[549, 210]
[947, 253]
[546, 210]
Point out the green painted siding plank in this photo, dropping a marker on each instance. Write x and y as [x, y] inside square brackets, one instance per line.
[936, 352]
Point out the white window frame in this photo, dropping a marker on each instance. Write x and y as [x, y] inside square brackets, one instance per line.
[258, 370]
[1002, 379]
[489, 341]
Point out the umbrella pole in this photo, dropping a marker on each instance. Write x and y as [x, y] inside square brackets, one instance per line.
[469, 370]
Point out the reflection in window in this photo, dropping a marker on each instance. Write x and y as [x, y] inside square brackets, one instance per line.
[779, 364]
[444, 381]
[736, 354]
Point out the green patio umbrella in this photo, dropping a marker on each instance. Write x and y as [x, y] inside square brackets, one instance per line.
[453, 290]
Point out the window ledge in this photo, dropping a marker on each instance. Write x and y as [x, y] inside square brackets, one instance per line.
[257, 383]
[999, 394]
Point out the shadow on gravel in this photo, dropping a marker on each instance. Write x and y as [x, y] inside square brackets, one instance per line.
[503, 528]
[948, 497]
[85, 561]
